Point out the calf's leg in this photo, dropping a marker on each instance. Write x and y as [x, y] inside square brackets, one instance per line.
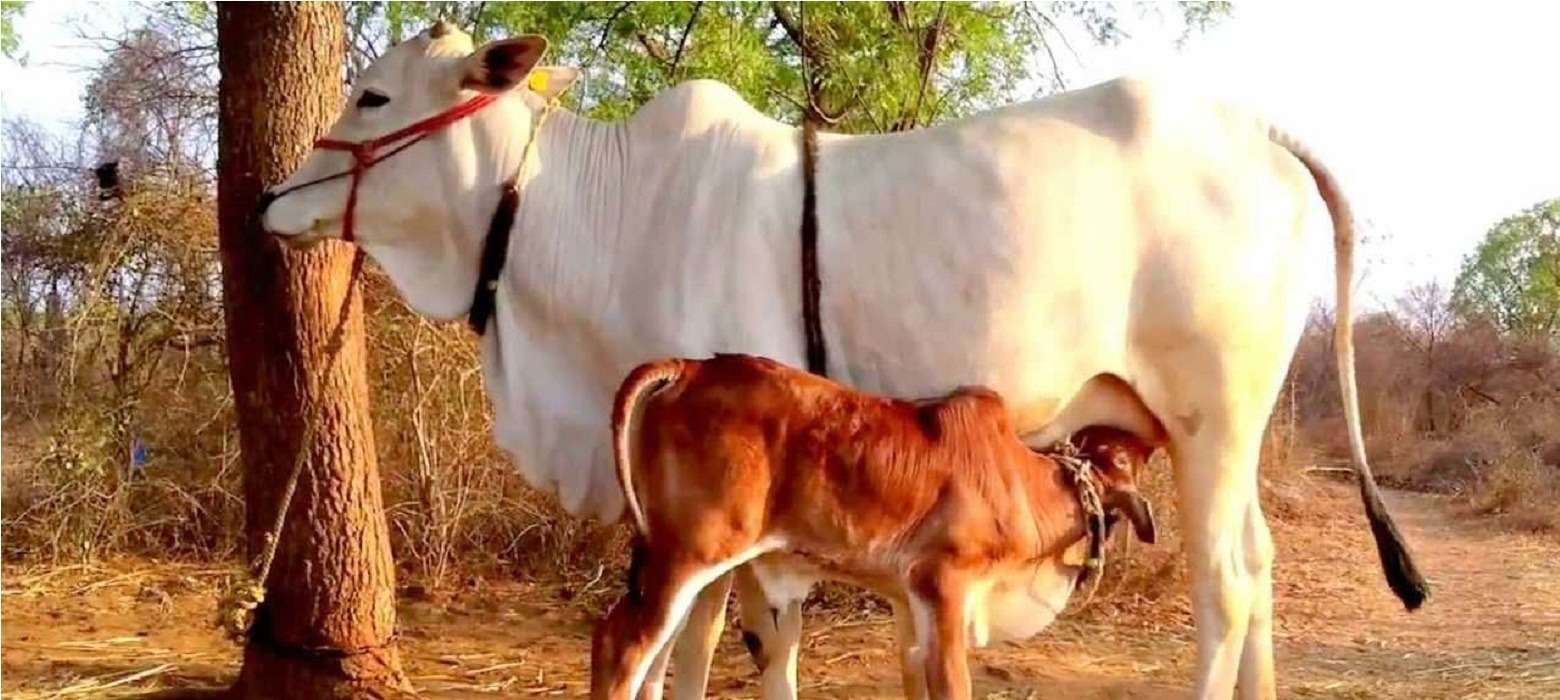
[628, 641]
[937, 606]
[912, 657]
[655, 680]
[694, 648]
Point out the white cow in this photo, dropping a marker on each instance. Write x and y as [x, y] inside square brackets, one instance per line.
[1123, 254]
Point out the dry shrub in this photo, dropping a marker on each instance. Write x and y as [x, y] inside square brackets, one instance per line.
[457, 506]
[1451, 405]
[1522, 490]
[1502, 462]
[76, 498]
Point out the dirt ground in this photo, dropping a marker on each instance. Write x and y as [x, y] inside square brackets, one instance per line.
[1491, 629]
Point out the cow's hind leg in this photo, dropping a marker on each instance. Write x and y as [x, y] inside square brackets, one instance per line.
[1229, 552]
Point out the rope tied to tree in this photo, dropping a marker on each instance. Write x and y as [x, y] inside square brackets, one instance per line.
[239, 605]
[237, 611]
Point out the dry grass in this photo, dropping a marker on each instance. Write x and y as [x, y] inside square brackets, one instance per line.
[1489, 632]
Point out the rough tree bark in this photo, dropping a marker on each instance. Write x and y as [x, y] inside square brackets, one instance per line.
[326, 627]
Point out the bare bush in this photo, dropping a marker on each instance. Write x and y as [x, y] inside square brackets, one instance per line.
[1451, 404]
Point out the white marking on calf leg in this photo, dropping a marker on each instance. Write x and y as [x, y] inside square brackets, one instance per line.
[655, 681]
[923, 625]
[680, 600]
[779, 679]
[943, 633]
[695, 644]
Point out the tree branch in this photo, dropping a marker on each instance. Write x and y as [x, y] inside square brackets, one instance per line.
[896, 12]
[928, 58]
[1475, 391]
[683, 42]
[653, 47]
[476, 17]
[606, 29]
[792, 28]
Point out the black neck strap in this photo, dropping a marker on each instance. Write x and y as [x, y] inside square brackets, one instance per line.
[495, 248]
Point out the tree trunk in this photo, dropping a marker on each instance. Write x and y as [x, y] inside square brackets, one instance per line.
[325, 629]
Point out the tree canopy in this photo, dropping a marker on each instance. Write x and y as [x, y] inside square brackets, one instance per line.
[1513, 278]
[10, 41]
[854, 67]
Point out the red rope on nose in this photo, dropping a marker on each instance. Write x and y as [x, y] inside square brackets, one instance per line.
[364, 152]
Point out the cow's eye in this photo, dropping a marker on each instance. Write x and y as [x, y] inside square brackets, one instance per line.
[369, 98]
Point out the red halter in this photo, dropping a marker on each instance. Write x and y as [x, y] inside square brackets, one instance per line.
[365, 154]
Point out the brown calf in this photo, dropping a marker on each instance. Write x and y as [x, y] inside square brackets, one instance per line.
[726, 460]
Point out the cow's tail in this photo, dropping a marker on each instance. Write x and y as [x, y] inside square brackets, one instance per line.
[627, 410]
[1402, 574]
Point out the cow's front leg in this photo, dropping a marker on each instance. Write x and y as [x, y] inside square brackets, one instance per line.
[1257, 680]
[937, 602]
[772, 631]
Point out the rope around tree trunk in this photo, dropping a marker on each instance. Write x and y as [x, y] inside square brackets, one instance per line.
[236, 611]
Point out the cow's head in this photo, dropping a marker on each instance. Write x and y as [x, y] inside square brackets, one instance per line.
[422, 212]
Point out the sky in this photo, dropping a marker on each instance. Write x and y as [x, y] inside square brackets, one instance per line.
[1438, 122]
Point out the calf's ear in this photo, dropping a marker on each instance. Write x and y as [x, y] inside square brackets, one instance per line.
[1136, 508]
[502, 65]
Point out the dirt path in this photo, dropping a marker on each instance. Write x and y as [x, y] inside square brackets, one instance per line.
[1492, 629]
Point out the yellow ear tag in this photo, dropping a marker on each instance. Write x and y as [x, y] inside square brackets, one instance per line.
[538, 81]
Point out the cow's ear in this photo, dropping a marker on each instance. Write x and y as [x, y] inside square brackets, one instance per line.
[1132, 504]
[551, 81]
[502, 65]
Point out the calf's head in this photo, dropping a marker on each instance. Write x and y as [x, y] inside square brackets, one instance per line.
[422, 212]
[1022, 603]
[1118, 456]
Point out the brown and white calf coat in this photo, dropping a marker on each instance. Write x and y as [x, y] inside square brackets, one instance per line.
[936, 503]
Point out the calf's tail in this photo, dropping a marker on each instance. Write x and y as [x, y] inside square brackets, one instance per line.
[627, 411]
[1402, 574]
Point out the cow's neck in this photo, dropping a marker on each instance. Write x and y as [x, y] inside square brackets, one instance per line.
[628, 247]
